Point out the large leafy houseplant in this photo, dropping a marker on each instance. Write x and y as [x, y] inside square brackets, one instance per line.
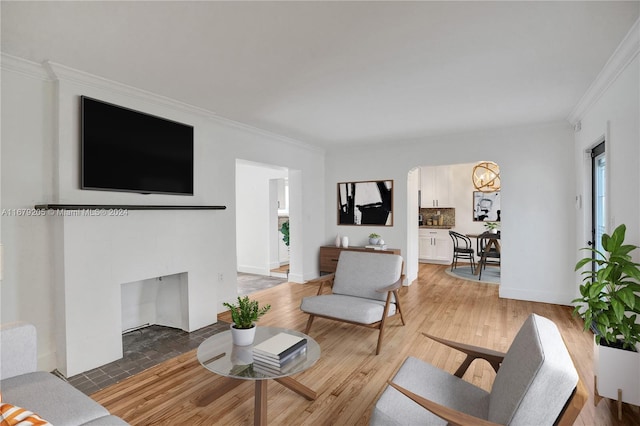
[610, 298]
[246, 312]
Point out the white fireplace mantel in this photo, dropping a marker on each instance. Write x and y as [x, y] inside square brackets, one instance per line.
[96, 254]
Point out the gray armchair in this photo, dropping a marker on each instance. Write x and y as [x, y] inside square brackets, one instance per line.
[364, 291]
[536, 384]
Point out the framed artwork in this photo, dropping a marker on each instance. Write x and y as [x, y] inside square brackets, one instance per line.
[486, 206]
[365, 203]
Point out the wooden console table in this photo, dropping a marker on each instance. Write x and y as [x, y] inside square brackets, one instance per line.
[329, 256]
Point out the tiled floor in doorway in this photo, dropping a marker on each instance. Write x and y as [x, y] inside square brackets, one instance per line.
[250, 283]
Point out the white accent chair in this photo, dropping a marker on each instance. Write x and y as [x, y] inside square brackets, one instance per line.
[536, 384]
[364, 291]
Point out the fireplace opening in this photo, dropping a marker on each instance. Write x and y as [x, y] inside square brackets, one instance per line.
[156, 301]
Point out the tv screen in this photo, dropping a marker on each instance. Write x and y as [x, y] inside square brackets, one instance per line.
[127, 150]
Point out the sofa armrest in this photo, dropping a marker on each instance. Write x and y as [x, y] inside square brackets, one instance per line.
[18, 349]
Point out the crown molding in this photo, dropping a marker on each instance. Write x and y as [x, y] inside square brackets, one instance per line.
[51, 71]
[58, 72]
[23, 66]
[626, 52]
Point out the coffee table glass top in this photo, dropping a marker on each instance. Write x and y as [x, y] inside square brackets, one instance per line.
[219, 355]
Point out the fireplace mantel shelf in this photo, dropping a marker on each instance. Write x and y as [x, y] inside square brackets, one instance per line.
[123, 207]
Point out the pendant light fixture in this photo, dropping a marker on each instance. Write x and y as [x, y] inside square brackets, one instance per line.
[486, 176]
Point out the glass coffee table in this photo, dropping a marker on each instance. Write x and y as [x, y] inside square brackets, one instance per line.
[219, 355]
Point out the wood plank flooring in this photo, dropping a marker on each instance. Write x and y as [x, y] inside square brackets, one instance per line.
[349, 378]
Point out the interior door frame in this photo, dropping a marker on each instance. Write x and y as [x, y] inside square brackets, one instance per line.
[599, 150]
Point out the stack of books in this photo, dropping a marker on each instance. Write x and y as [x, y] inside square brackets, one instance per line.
[376, 246]
[279, 353]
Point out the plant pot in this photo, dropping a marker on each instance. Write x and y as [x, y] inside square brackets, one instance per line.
[374, 241]
[617, 369]
[243, 336]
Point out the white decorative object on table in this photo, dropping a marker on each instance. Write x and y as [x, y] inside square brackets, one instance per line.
[243, 336]
[345, 241]
[338, 240]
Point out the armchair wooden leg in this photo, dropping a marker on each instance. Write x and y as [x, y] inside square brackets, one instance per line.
[395, 294]
[379, 346]
[309, 322]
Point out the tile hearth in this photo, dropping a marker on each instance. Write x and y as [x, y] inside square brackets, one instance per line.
[152, 345]
[143, 349]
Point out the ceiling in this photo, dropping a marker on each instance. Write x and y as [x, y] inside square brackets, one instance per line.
[337, 72]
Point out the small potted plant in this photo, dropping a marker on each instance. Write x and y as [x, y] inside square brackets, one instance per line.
[374, 238]
[609, 304]
[492, 227]
[244, 316]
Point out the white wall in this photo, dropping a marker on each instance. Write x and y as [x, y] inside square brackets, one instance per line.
[25, 154]
[40, 164]
[614, 116]
[536, 198]
[412, 251]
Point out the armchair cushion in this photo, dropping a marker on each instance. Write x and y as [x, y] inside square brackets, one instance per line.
[393, 408]
[360, 274]
[347, 308]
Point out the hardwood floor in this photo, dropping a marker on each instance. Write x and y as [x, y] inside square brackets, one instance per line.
[349, 378]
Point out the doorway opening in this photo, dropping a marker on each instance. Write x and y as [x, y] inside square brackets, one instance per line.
[262, 207]
[443, 198]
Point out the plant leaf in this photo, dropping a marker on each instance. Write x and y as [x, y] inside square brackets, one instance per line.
[627, 296]
[618, 309]
[583, 262]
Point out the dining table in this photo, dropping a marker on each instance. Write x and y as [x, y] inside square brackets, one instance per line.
[493, 243]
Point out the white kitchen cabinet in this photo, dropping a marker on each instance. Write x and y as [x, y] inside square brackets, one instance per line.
[435, 246]
[436, 187]
[283, 196]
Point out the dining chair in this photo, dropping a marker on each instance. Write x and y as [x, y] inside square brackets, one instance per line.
[488, 250]
[462, 249]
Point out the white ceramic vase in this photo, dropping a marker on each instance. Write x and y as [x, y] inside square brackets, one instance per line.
[243, 336]
[345, 241]
[337, 240]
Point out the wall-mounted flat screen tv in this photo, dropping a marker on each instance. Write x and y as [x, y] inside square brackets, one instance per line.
[127, 150]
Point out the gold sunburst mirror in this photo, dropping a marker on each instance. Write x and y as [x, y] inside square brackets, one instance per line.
[486, 176]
